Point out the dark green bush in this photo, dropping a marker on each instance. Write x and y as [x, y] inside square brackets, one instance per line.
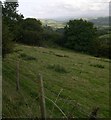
[31, 37]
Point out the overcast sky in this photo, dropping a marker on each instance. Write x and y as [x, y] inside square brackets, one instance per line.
[63, 8]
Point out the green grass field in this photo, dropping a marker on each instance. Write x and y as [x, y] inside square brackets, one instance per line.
[82, 79]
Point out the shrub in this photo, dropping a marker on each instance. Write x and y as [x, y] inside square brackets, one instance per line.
[31, 37]
[103, 46]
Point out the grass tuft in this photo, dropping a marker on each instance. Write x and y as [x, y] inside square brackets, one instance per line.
[27, 57]
[57, 68]
[97, 65]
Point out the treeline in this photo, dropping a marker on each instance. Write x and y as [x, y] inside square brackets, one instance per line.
[78, 35]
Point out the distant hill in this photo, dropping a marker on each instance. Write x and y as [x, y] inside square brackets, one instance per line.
[101, 21]
[52, 23]
[104, 21]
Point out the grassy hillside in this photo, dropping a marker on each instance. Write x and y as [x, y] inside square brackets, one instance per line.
[82, 79]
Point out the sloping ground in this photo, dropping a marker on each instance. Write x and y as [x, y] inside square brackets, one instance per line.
[81, 80]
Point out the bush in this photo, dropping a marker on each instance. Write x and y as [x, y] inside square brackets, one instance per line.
[103, 46]
[51, 38]
[31, 38]
[30, 32]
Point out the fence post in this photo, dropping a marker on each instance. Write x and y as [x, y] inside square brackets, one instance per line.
[17, 76]
[42, 97]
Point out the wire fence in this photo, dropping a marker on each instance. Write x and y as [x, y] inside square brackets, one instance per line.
[42, 102]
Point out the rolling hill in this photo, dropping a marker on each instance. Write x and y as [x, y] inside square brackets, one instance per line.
[101, 21]
[53, 23]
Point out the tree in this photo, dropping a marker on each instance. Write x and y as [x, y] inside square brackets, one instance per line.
[51, 37]
[103, 48]
[11, 20]
[7, 43]
[32, 24]
[10, 15]
[79, 35]
[30, 32]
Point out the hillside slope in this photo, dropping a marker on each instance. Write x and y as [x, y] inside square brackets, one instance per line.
[81, 80]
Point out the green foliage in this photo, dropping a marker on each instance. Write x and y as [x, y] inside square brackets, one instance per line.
[7, 43]
[10, 15]
[103, 31]
[103, 46]
[30, 32]
[82, 36]
[32, 24]
[11, 20]
[79, 35]
[31, 37]
[51, 37]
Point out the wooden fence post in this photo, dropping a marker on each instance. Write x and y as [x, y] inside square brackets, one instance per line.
[17, 76]
[42, 98]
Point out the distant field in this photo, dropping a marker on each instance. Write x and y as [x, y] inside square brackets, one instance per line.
[53, 23]
[101, 23]
[82, 79]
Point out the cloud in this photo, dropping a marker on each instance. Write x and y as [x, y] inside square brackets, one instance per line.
[11, 0]
[63, 8]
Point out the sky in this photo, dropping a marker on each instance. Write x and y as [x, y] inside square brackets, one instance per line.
[55, 9]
